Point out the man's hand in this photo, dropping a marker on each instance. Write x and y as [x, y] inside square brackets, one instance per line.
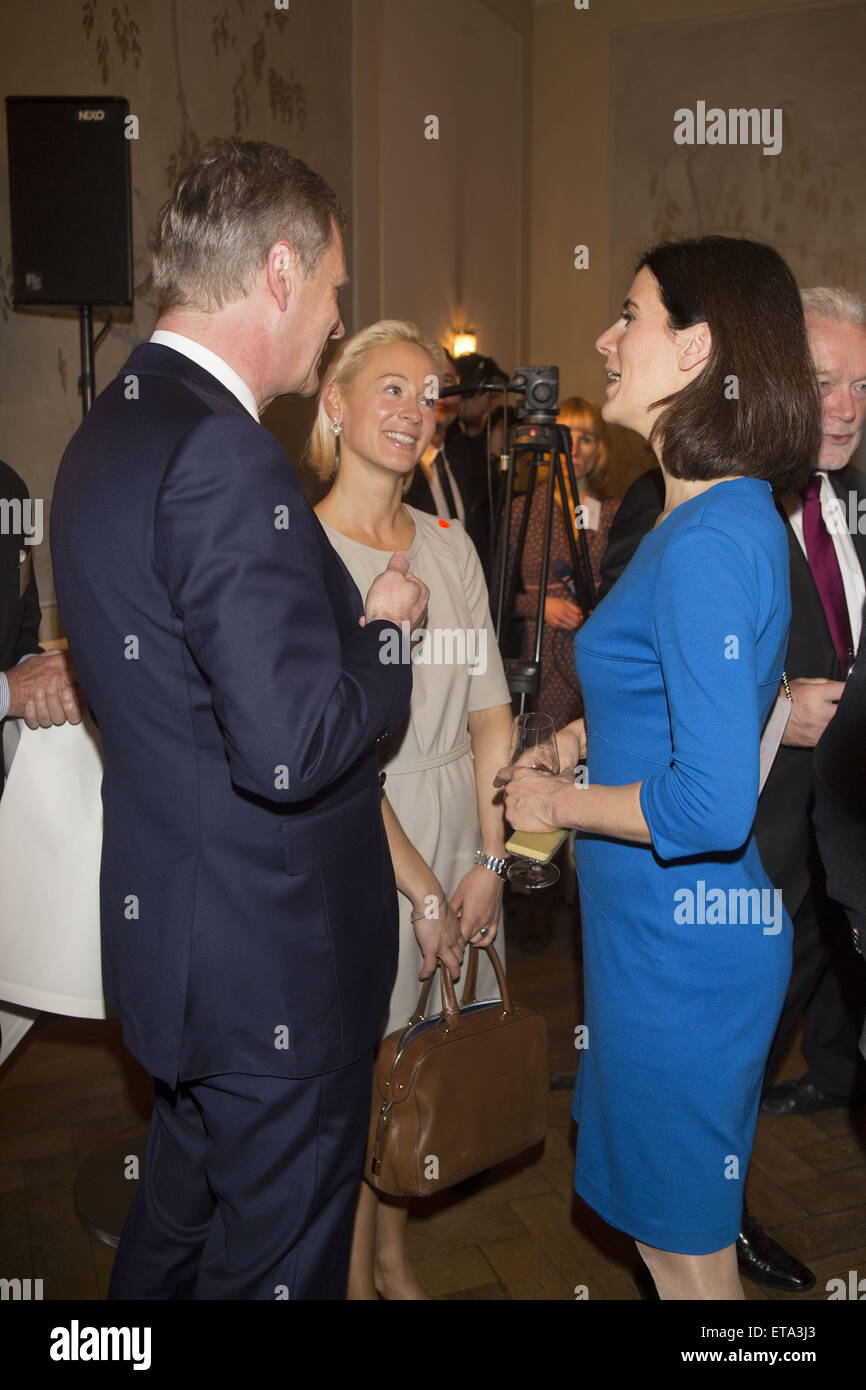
[814, 704]
[396, 594]
[562, 613]
[440, 938]
[42, 691]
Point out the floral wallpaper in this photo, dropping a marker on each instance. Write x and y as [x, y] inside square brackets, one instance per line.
[190, 69]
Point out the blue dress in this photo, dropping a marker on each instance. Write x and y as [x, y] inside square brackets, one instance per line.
[686, 945]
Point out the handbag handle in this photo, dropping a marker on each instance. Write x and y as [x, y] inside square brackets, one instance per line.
[472, 975]
[450, 1007]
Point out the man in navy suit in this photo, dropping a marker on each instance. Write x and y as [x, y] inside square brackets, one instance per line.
[249, 920]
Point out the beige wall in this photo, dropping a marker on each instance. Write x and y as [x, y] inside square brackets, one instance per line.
[439, 232]
[437, 228]
[570, 151]
[189, 71]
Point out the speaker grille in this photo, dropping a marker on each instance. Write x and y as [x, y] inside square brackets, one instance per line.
[69, 198]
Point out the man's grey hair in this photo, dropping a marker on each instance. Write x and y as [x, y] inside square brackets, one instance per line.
[835, 303]
[233, 201]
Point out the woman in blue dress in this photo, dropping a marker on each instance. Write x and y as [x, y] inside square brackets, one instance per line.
[687, 948]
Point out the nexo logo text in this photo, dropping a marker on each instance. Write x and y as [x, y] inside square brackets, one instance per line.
[91, 115]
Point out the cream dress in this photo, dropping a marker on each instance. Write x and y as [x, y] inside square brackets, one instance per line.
[429, 767]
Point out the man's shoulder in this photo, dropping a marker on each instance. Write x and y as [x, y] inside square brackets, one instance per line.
[646, 492]
[155, 373]
[849, 479]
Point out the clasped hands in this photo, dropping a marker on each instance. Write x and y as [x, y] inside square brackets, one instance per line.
[536, 801]
[474, 907]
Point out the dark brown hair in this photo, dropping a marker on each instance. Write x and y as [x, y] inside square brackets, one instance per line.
[233, 201]
[755, 408]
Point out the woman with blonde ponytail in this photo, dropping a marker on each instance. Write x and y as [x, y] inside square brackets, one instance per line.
[376, 417]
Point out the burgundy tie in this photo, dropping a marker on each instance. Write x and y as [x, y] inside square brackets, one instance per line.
[824, 564]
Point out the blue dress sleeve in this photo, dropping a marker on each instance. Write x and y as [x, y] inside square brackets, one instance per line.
[704, 622]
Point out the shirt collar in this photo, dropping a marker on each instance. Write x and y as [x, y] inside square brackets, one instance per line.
[211, 363]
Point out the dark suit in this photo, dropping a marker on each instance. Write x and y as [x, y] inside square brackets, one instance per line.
[783, 826]
[467, 470]
[840, 801]
[478, 480]
[419, 494]
[249, 921]
[20, 614]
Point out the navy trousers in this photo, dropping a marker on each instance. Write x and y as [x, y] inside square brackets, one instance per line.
[248, 1189]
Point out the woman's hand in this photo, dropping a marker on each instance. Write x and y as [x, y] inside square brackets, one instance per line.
[440, 938]
[571, 742]
[478, 898]
[531, 798]
[562, 613]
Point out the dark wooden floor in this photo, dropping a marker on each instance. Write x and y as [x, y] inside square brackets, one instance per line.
[516, 1233]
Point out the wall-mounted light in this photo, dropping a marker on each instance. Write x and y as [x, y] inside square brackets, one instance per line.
[464, 343]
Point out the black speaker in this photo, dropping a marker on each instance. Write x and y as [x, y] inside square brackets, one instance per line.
[70, 201]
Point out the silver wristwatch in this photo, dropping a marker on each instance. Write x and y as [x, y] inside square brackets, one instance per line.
[487, 861]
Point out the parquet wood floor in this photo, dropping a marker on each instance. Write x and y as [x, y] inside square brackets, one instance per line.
[517, 1232]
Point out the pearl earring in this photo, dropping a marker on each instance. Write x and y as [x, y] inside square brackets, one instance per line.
[336, 427]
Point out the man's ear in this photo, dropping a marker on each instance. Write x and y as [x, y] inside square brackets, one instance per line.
[281, 268]
[696, 345]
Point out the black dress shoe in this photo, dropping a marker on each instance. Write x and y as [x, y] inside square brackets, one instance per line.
[798, 1097]
[765, 1261]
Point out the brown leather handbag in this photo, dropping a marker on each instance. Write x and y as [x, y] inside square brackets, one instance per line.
[457, 1093]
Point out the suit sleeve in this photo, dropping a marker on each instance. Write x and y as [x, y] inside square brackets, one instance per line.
[704, 618]
[27, 643]
[238, 549]
[28, 637]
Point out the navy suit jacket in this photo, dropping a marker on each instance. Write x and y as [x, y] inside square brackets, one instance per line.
[249, 915]
[20, 614]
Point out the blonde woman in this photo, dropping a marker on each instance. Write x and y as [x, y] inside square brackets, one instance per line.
[376, 417]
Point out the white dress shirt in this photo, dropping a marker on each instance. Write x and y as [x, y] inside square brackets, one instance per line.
[211, 363]
[835, 516]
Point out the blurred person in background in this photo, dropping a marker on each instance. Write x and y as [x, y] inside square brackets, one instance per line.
[559, 694]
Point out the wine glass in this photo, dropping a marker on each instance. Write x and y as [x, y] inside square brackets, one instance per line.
[534, 735]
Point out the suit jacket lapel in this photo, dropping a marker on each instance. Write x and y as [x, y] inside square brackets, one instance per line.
[809, 631]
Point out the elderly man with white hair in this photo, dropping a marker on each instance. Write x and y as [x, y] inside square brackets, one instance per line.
[827, 531]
